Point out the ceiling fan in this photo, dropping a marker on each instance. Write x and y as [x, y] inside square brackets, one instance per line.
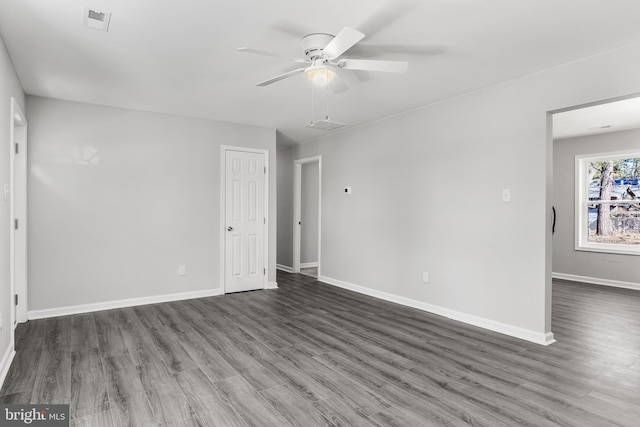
[323, 61]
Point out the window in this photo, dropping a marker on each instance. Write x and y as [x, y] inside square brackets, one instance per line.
[608, 202]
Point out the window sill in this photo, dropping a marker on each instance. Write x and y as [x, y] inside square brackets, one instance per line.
[610, 249]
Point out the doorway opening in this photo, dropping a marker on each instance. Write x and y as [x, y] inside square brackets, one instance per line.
[307, 202]
[596, 193]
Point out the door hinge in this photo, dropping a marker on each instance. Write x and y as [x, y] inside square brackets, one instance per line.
[264, 271]
[264, 220]
[16, 298]
[265, 169]
[15, 224]
[17, 148]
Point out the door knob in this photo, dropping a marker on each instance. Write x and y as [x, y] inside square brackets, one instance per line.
[229, 228]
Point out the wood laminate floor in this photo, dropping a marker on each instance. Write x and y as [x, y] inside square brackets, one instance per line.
[310, 354]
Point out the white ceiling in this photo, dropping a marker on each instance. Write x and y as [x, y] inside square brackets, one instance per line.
[180, 56]
[602, 118]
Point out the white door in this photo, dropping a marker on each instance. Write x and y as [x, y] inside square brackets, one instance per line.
[244, 221]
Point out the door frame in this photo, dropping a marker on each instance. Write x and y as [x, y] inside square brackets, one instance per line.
[223, 213]
[18, 211]
[297, 209]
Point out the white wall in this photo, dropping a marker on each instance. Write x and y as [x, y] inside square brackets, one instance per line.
[285, 208]
[566, 260]
[9, 87]
[119, 199]
[427, 197]
[309, 205]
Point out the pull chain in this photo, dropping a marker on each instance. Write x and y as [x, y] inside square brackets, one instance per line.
[312, 102]
[326, 71]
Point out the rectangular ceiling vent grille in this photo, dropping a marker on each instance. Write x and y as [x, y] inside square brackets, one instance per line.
[325, 125]
[96, 15]
[96, 19]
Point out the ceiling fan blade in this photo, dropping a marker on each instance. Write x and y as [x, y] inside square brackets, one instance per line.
[371, 65]
[375, 50]
[338, 85]
[386, 16]
[281, 77]
[290, 28]
[345, 39]
[267, 53]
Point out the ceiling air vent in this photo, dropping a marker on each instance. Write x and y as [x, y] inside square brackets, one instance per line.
[325, 125]
[96, 19]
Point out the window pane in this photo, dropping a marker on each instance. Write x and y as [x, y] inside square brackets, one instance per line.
[608, 202]
[615, 223]
[614, 179]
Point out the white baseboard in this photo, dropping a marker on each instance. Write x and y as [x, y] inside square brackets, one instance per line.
[308, 264]
[492, 325]
[596, 281]
[109, 305]
[272, 285]
[284, 268]
[5, 363]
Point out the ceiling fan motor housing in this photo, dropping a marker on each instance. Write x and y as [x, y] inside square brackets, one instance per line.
[313, 45]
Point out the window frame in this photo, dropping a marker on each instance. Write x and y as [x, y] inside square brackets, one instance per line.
[582, 201]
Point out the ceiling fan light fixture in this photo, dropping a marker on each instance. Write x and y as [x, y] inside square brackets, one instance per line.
[320, 75]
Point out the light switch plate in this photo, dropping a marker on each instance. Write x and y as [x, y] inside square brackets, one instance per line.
[506, 194]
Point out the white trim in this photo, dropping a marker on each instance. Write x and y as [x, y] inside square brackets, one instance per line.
[297, 209]
[272, 285]
[549, 228]
[596, 281]
[18, 210]
[223, 226]
[503, 328]
[110, 305]
[284, 268]
[5, 363]
[308, 264]
[297, 191]
[612, 248]
[12, 232]
[21, 173]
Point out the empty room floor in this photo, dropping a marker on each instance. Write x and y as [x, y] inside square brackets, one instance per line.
[311, 354]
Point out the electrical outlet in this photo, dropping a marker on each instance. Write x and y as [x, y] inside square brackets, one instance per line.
[425, 277]
[182, 270]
